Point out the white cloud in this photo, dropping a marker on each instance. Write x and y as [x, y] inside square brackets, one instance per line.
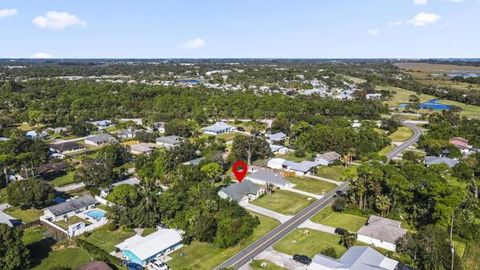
[42, 55]
[195, 43]
[422, 19]
[420, 2]
[55, 20]
[395, 23]
[373, 32]
[8, 12]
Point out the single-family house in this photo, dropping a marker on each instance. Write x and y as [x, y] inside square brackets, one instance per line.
[169, 141]
[142, 148]
[218, 128]
[142, 250]
[194, 162]
[136, 121]
[280, 149]
[157, 126]
[374, 96]
[381, 232]
[102, 124]
[356, 124]
[100, 139]
[127, 134]
[276, 163]
[50, 170]
[65, 147]
[300, 168]
[265, 176]
[460, 143]
[32, 134]
[69, 208]
[276, 137]
[327, 158]
[244, 191]
[433, 160]
[355, 258]
[8, 220]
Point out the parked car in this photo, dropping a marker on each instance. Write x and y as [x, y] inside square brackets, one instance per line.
[303, 259]
[158, 265]
[340, 231]
[240, 129]
[133, 266]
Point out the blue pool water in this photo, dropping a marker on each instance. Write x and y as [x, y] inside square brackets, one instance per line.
[96, 214]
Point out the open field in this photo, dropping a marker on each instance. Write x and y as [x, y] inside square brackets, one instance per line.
[331, 172]
[283, 202]
[335, 219]
[205, 256]
[311, 185]
[33, 234]
[402, 134]
[106, 240]
[354, 79]
[27, 215]
[309, 242]
[257, 265]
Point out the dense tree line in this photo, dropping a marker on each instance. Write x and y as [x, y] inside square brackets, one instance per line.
[13, 253]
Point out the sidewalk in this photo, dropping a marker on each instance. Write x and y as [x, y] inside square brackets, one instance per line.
[266, 212]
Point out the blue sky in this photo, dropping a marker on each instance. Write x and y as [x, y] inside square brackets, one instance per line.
[239, 28]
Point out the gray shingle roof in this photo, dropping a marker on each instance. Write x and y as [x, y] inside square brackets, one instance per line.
[101, 138]
[304, 166]
[433, 160]
[356, 258]
[218, 127]
[329, 156]
[267, 176]
[279, 136]
[238, 191]
[72, 205]
[172, 139]
[383, 229]
[66, 146]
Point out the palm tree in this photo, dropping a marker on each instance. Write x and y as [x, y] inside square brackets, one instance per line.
[351, 153]
[382, 203]
[348, 239]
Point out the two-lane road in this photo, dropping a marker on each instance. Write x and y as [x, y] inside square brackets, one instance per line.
[248, 253]
[417, 132]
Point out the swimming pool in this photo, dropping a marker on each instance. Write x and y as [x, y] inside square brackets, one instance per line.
[96, 214]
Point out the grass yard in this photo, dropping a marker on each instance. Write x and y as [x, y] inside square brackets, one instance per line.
[460, 248]
[385, 150]
[354, 79]
[63, 180]
[33, 234]
[335, 219]
[311, 185]
[257, 265]
[283, 202]
[148, 231]
[471, 257]
[227, 136]
[291, 156]
[107, 240]
[332, 172]
[309, 242]
[26, 216]
[401, 134]
[205, 256]
[249, 126]
[72, 258]
[3, 195]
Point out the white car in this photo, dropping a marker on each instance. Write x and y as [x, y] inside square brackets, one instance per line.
[158, 265]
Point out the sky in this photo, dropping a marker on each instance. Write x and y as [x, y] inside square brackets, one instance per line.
[239, 28]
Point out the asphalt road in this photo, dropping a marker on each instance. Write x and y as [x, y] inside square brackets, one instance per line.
[254, 249]
[416, 135]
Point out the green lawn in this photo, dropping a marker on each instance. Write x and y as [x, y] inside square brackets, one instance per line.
[71, 258]
[107, 240]
[27, 215]
[311, 185]
[284, 202]
[257, 265]
[291, 156]
[148, 231]
[402, 134]
[33, 234]
[335, 219]
[63, 180]
[309, 242]
[471, 257]
[385, 150]
[227, 136]
[331, 172]
[205, 256]
[460, 248]
[249, 126]
[3, 195]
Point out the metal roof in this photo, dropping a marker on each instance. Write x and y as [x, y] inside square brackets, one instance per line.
[218, 127]
[432, 160]
[72, 205]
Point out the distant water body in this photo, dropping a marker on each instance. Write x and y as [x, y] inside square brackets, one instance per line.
[465, 75]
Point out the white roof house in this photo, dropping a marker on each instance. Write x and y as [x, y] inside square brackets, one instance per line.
[433, 160]
[276, 137]
[279, 149]
[381, 232]
[169, 141]
[276, 163]
[356, 258]
[7, 220]
[141, 250]
[218, 128]
[264, 176]
[327, 158]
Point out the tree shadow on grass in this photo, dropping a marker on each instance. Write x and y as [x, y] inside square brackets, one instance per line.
[39, 250]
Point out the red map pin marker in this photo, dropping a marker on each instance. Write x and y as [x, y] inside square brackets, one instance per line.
[239, 169]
